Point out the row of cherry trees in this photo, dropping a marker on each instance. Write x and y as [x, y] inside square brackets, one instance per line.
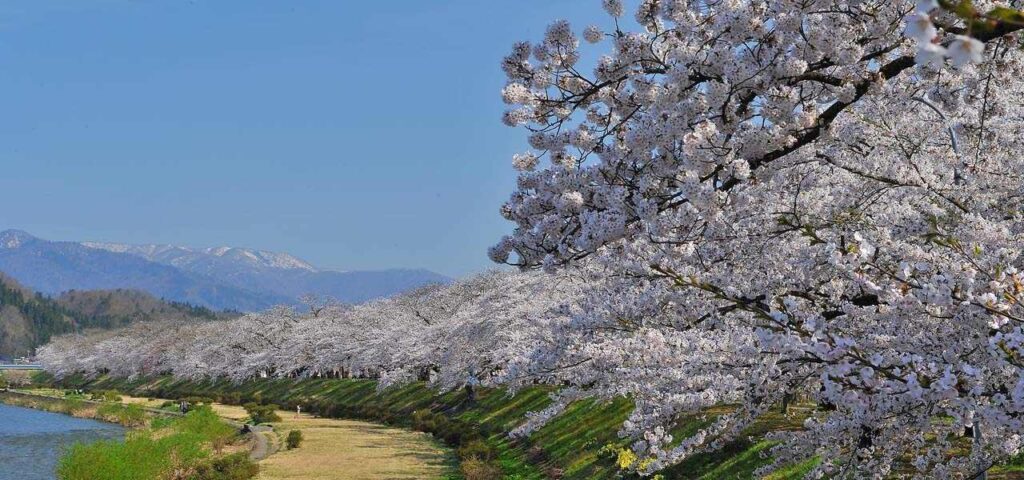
[471, 332]
[790, 198]
[745, 202]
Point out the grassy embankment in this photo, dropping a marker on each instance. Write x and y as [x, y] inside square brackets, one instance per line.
[160, 444]
[197, 446]
[579, 444]
[81, 406]
[330, 448]
[339, 449]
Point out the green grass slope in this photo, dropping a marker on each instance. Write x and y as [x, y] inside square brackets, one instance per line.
[581, 443]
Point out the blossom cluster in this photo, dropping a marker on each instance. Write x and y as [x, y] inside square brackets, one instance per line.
[963, 50]
[793, 200]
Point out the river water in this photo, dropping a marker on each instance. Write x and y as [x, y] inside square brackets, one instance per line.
[31, 441]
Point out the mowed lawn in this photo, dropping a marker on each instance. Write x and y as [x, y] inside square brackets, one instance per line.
[335, 449]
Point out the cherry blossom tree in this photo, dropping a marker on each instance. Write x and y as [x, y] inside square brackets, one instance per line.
[484, 328]
[746, 203]
[790, 198]
[461, 335]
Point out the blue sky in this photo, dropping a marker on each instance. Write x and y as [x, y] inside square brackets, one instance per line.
[356, 135]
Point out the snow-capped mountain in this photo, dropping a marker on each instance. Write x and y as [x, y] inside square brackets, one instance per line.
[221, 277]
[14, 238]
[56, 267]
[195, 258]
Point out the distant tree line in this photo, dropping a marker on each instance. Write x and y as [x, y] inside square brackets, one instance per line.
[76, 311]
[46, 316]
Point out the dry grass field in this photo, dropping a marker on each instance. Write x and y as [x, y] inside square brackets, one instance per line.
[341, 449]
[352, 450]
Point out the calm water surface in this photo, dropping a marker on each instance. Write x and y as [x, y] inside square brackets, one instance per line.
[31, 441]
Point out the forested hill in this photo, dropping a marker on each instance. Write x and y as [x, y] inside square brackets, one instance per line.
[115, 308]
[28, 319]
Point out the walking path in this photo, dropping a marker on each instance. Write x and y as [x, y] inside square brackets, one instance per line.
[334, 449]
[263, 447]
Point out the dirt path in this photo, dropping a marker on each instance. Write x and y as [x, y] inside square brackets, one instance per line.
[338, 449]
[261, 449]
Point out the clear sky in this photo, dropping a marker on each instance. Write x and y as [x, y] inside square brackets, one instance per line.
[354, 134]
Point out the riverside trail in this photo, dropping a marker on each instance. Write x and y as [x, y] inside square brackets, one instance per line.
[334, 449]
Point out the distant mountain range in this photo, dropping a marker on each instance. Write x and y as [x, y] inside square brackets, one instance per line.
[219, 278]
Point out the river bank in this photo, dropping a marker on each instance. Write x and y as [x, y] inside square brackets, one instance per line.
[580, 444]
[476, 432]
[332, 449]
[32, 441]
[124, 415]
[159, 444]
[337, 449]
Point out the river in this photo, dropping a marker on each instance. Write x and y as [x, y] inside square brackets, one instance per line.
[31, 441]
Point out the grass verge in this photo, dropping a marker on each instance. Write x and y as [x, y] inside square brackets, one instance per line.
[189, 447]
[575, 445]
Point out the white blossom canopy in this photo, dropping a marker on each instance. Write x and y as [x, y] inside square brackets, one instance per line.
[813, 197]
[746, 203]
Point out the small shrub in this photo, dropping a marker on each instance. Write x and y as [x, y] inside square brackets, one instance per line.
[106, 396]
[127, 415]
[477, 469]
[132, 416]
[255, 397]
[236, 466]
[140, 456]
[204, 422]
[537, 455]
[294, 439]
[42, 378]
[476, 449]
[161, 422]
[73, 405]
[423, 421]
[262, 413]
[456, 433]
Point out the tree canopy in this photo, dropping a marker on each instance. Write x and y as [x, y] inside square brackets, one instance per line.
[744, 202]
[815, 198]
